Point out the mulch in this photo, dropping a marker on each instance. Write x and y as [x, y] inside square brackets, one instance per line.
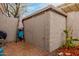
[69, 51]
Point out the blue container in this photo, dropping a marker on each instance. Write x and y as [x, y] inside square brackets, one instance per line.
[1, 52]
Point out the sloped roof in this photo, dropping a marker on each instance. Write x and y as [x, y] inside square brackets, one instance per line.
[44, 9]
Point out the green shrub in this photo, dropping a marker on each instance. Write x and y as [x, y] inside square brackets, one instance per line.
[69, 43]
[69, 39]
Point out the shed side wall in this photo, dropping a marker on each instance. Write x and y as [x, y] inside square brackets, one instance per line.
[57, 26]
[37, 30]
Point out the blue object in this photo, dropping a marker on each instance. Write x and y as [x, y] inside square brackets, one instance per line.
[21, 34]
[1, 52]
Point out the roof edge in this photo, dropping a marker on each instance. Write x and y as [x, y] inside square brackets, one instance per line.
[49, 7]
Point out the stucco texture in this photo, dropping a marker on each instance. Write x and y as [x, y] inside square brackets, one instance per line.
[57, 27]
[9, 25]
[72, 22]
[45, 30]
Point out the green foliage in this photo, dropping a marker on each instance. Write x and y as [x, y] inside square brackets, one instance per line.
[75, 39]
[69, 43]
[66, 33]
[69, 40]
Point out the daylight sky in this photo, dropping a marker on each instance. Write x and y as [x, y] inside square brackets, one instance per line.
[31, 8]
[36, 6]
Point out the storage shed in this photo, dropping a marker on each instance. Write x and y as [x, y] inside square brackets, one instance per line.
[45, 27]
[10, 26]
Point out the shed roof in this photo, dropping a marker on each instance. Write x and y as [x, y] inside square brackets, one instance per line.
[49, 7]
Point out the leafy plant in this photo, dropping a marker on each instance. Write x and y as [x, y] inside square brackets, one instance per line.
[69, 43]
[69, 39]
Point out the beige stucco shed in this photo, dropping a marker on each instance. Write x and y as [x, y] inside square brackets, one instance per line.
[9, 25]
[45, 27]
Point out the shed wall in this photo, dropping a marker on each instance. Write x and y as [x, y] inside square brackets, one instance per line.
[9, 25]
[57, 26]
[37, 30]
[45, 30]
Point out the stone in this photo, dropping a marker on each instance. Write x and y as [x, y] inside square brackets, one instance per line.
[60, 54]
[68, 54]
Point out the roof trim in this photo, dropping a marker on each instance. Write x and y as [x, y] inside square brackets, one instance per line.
[49, 7]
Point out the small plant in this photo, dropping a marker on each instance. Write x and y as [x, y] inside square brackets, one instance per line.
[69, 39]
[69, 43]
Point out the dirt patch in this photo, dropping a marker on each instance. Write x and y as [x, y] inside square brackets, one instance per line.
[21, 49]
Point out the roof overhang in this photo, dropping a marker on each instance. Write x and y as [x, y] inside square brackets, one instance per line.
[49, 7]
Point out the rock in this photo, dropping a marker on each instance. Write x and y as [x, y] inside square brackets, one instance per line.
[60, 54]
[68, 54]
